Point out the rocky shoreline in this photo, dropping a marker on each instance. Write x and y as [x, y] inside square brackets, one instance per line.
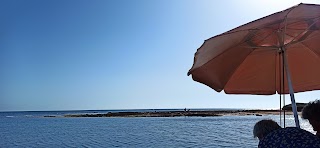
[180, 113]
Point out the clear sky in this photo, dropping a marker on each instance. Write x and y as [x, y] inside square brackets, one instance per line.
[118, 54]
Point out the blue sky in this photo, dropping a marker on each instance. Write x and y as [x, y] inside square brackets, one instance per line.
[118, 54]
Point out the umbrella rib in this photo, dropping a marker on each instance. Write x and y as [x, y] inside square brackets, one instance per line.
[289, 35]
[263, 47]
[301, 29]
[191, 70]
[281, 43]
[261, 39]
[290, 9]
[226, 33]
[300, 20]
[231, 32]
[236, 69]
[294, 42]
[305, 30]
[288, 28]
[244, 41]
[274, 31]
[310, 49]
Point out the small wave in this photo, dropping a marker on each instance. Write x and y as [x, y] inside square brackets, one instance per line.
[9, 116]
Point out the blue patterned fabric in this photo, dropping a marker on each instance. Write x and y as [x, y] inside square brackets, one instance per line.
[290, 137]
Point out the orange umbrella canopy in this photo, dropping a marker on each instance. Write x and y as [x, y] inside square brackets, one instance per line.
[249, 58]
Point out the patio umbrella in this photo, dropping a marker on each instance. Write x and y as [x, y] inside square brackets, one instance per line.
[263, 55]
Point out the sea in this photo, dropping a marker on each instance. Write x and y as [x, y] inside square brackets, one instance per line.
[32, 129]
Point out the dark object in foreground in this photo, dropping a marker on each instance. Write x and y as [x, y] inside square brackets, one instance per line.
[290, 137]
[311, 112]
[299, 107]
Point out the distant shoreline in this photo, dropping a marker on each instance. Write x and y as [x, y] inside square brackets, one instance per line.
[189, 113]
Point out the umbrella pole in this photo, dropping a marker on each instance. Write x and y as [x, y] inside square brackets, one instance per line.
[293, 102]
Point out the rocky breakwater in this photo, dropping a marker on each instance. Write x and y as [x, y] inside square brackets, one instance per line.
[150, 114]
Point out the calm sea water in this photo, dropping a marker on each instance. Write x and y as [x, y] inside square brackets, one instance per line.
[30, 129]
